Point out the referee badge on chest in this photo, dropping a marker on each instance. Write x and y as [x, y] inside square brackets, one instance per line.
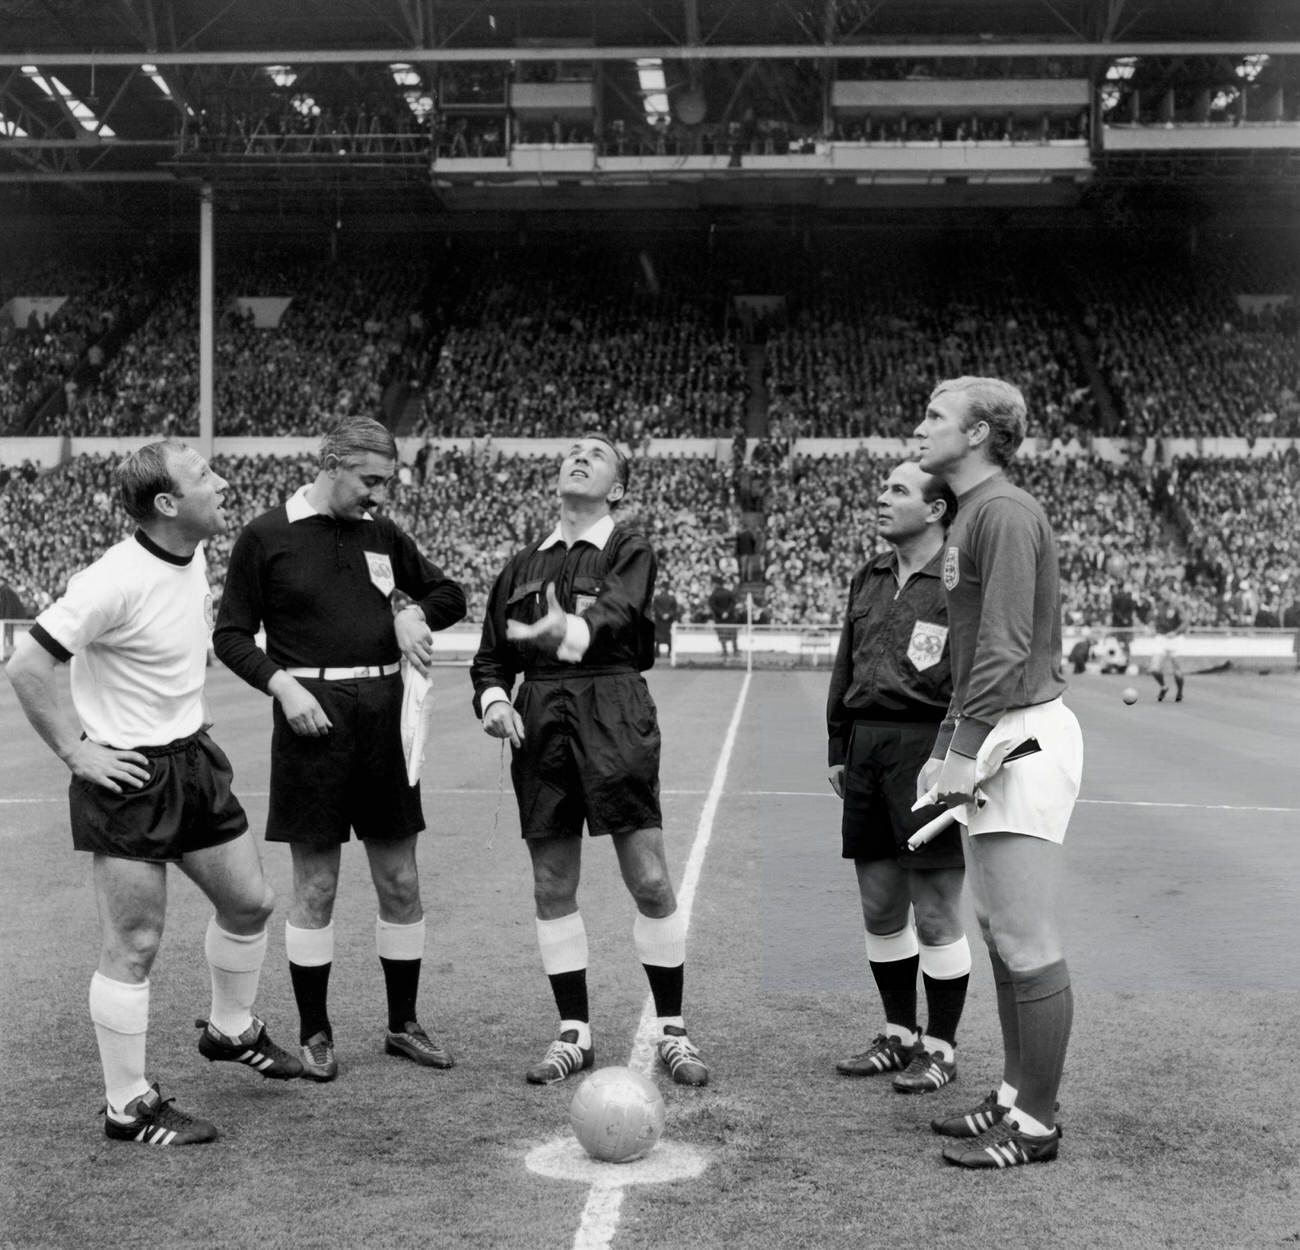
[925, 649]
[381, 572]
[951, 568]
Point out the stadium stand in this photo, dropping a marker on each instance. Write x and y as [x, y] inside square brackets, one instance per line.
[1198, 531]
[544, 337]
[352, 328]
[463, 347]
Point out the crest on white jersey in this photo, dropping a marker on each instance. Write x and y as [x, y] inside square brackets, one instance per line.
[951, 568]
[925, 649]
[381, 572]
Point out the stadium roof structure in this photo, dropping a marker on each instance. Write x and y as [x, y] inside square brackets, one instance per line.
[102, 105]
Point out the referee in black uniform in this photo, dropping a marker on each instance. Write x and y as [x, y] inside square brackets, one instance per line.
[571, 613]
[889, 690]
[319, 573]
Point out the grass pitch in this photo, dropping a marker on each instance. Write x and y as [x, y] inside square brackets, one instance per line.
[1178, 1104]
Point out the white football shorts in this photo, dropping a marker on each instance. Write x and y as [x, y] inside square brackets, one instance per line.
[1034, 794]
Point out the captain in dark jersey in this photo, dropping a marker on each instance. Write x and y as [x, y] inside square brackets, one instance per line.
[1001, 573]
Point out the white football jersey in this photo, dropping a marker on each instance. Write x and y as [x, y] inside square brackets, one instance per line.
[138, 627]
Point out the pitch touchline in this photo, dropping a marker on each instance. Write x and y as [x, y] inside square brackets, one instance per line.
[600, 1214]
[1200, 807]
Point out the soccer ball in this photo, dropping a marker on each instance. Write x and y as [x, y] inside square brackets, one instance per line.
[1130, 696]
[617, 1115]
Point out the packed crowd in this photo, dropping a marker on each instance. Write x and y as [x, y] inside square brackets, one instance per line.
[527, 340]
[539, 344]
[1242, 519]
[468, 509]
[1182, 355]
[350, 329]
[952, 127]
[471, 507]
[60, 351]
[866, 336]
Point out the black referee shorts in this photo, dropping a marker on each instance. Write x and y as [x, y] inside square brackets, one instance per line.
[352, 778]
[185, 806]
[880, 771]
[590, 753]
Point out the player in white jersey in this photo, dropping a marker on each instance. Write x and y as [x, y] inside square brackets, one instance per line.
[149, 786]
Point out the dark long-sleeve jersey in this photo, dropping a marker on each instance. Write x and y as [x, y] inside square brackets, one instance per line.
[1002, 576]
[893, 662]
[309, 583]
[610, 588]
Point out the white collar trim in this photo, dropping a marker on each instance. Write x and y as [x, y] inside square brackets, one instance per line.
[299, 508]
[597, 535]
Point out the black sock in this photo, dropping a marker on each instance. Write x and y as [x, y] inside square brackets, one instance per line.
[1046, 1008]
[570, 990]
[896, 981]
[1009, 1018]
[944, 1001]
[666, 988]
[402, 981]
[311, 990]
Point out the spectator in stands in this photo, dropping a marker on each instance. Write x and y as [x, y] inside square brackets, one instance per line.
[722, 609]
[665, 611]
[12, 607]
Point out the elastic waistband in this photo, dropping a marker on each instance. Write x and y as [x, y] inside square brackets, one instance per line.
[910, 716]
[358, 673]
[173, 747]
[578, 670]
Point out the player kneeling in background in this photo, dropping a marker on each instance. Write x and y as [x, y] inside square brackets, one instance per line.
[149, 787]
[572, 614]
[889, 690]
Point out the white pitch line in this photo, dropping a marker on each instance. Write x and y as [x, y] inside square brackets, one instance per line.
[600, 1214]
[1200, 807]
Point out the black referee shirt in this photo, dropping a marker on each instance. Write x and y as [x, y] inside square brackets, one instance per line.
[611, 589]
[309, 583]
[893, 660]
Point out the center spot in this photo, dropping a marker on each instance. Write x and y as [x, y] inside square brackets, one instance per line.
[564, 1160]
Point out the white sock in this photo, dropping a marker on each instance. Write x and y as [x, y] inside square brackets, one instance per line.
[309, 948]
[900, 1031]
[120, 1012]
[1027, 1124]
[946, 963]
[582, 1028]
[669, 1022]
[937, 1046]
[660, 940]
[888, 948]
[235, 961]
[563, 944]
[1007, 1095]
[399, 941]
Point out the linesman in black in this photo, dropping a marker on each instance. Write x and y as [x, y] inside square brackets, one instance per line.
[571, 613]
[889, 690]
[319, 573]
